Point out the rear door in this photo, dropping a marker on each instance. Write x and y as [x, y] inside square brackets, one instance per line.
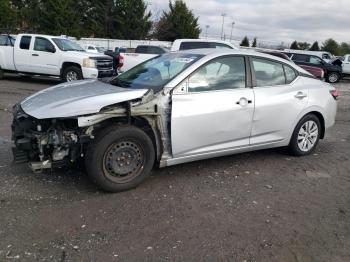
[23, 53]
[214, 111]
[280, 97]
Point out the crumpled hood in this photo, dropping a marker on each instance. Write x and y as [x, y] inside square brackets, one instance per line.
[76, 99]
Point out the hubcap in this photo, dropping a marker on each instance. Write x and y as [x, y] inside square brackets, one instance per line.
[72, 76]
[307, 136]
[333, 78]
[123, 161]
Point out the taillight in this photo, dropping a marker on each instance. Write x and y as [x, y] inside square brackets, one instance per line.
[334, 93]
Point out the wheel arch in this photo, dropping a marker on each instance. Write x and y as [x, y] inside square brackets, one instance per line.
[139, 122]
[68, 64]
[319, 115]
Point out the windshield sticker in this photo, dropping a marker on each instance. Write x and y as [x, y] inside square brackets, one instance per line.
[183, 60]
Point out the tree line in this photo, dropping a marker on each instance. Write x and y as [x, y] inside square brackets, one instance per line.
[118, 19]
[330, 45]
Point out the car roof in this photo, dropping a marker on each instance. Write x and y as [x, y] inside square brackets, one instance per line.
[211, 53]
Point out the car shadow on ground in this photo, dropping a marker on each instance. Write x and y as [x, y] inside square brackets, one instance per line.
[76, 177]
[33, 79]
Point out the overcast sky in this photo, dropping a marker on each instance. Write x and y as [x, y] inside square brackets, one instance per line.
[272, 20]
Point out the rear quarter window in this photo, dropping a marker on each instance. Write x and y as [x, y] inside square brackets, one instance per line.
[193, 45]
[25, 42]
[290, 74]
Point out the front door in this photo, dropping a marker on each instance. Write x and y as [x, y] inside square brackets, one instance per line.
[45, 57]
[214, 112]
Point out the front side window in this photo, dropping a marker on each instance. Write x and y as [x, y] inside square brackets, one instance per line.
[349, 59]
[157, 72]
[301, 58]
[219, 74]
[44, 45]
[268, 73]
[25, 42]
[290, 74]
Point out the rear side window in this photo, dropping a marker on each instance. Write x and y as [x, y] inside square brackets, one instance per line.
[326, 56]
[301, 58]
[268, 73]
[193, 45]
[349, 59]
[220, 46]
[25, 42]
[4, 40]
[290, 74]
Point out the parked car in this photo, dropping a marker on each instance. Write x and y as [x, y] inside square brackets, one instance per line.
[151, 49]
[346, 65]
[332, 73]
[187, 44]
[315, 71]
[175, 108]
[324, 55]
[133, 59]
[33, 54]
[95, 49]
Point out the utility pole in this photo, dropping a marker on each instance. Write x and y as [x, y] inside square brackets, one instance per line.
[223, 22]
[233, 23]
[206, 31]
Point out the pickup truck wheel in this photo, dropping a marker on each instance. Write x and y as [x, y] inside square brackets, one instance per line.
[72, 73]
[120, 158]
[333, 78]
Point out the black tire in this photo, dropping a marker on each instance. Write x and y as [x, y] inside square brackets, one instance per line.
[1, 74]
[70, 71]
[333, 77]
[114, 147]
[294, 142]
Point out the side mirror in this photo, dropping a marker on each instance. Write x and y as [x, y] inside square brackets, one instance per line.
[50, 49]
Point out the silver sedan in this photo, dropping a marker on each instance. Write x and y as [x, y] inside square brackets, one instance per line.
[172, 109]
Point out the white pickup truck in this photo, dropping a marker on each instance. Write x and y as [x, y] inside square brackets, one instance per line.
[31, 54]
[144, 52]
[346, 65]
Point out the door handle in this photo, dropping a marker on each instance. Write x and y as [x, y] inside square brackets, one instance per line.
[244, 101]
[35, 55]
[300, 95]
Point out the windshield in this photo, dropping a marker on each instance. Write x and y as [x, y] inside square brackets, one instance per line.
[67, 45]
[157, 72]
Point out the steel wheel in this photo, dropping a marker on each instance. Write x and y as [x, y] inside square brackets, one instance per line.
[307, 136]
[71, 76]
[123, 161]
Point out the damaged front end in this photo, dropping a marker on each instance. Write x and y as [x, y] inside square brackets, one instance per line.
[60, 142]
[46, 143]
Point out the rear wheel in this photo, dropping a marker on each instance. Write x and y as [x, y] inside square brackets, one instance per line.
[120, 158]
[305, 136]
[1, 74]
[72, 73]
[333, 77]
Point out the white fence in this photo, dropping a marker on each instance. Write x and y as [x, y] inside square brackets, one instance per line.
[113, 43]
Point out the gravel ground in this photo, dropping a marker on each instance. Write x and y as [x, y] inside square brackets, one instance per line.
[260, 206]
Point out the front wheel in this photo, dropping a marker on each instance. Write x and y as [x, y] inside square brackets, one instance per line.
[120, 158]
[333, 78]
[305, 136]
[72, 73]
